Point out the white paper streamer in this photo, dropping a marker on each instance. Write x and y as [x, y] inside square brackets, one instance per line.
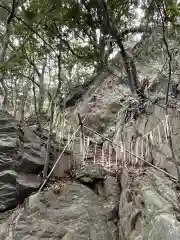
[84, 151]
[124, 147]
[95, 150]
[167, 124]
[142, 148]
[60, 135]
[87, 147]
[130, 160]
[147, 145]
[102, 155]
[117, 150]
[122, 150]
[151, 136]
[165, 129]
[159, 136]
[106, 145]
[69, 136]
[110, 154]
[137, 151]
[81, 142]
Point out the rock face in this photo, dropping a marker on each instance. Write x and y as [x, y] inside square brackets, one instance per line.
[148, 205]
[146, 208]
[18, 165]
[90, 174]
[74, 212]
[149, 209]
[20, 162]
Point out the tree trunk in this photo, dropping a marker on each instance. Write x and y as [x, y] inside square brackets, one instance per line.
[129, 65]
[128, 62]
[15, 99]
[24, 99]
[35, 104]
[52, 106]
[48, 149]
[41, 89]
[40, 75]
[5, 95]
[41, 96]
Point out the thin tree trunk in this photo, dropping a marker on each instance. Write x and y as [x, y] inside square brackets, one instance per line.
[41, 95]
[15, 99]
[5, 46]
[35, 104]
[5, 95]
[6, 35]
[41, 90]
[40, 75]
[129, 65]
[52, 106]
[24, 99]
[48, 148]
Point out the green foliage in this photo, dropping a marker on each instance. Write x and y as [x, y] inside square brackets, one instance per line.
[172, 10]
[76, 29]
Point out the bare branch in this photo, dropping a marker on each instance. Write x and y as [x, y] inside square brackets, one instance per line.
[30, 78]
[66, 42]
[34, 66]
[11, 15]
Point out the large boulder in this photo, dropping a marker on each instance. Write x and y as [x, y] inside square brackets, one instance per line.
[90, 174]
[19, 165]
[149, 208]
[75, 212]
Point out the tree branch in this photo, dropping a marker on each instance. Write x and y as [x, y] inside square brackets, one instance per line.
[6, 35]
[11, 15]
[66, 43]
[30, 78]
[27, 25]
[27, 37]
[128, 60]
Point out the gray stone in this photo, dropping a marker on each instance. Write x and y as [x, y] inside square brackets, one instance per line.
[15, 163]
[89, 173]
[162, 227]
[29, 164]
[8, 196]
[75, 214]
[112, 190]
[147, 210]
[69, 236]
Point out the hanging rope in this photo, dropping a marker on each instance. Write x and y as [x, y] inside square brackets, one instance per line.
[55, 164]
[134, 155]
[121, 146]
[148, 134]
[69, 140]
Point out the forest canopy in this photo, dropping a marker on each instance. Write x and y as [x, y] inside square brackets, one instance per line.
[48, 47]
